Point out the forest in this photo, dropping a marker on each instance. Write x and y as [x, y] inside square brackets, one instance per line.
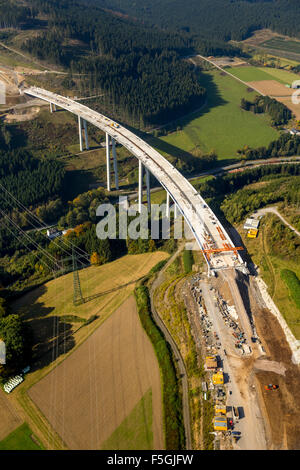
[218, 19]
[286, 146]
[278, 112]
[30, 180]
[139, 68]
[14, 16]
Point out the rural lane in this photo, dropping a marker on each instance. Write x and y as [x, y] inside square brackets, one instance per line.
[228, 73]
[273, 210]
[176, 352]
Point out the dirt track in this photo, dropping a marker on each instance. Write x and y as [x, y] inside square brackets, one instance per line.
[89, 395]
[281, 407]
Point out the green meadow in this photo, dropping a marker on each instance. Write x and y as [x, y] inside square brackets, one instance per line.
[221, 125]
[135, 432]
[250, 73]
[282, 76]
[21, 439]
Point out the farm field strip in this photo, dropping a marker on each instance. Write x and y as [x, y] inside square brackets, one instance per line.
[282, 44]
[254, 74]
[9, 418]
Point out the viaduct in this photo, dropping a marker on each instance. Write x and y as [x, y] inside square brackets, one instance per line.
[211, 237]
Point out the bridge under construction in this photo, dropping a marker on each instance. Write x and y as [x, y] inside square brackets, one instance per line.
[218, 249]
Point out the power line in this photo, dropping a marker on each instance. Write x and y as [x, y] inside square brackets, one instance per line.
[35, 217]
[42, 225]
[17, 238]
[81, 253]
[34, 243]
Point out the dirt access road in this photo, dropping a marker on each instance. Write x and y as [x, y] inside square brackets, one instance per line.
[236, 369]
[273, 210]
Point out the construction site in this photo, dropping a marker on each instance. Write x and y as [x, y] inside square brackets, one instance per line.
[253, 381]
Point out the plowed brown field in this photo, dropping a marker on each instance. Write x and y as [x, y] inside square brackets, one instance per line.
[89, 394]
[9, 419]
[271, 88]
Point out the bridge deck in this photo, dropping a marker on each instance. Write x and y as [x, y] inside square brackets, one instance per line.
[203, 223]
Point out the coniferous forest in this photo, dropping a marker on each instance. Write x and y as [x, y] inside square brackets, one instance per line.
[139, 68]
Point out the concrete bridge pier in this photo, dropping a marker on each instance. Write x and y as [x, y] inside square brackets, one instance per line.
[168, 205]
[140, 197]
[115, 163]
[148, 190]
[86, 135]
[108, 161]
[52, 107]
[80, 133]
[176, 210]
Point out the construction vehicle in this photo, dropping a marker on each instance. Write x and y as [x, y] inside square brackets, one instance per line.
[236, 435]
[220, 423]
[271, 387]
[235, 413]
[252, 233]
[218, 378]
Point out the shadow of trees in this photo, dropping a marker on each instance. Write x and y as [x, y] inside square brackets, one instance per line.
[50, 335]
[182, 159]
[52, 338]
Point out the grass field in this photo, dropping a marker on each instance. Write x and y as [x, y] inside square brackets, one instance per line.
[293, 284]
[135, 432]
[249, 73]
[282, 76]
[103, 287]
[222, 125]
[21, 439]
[12, 59]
